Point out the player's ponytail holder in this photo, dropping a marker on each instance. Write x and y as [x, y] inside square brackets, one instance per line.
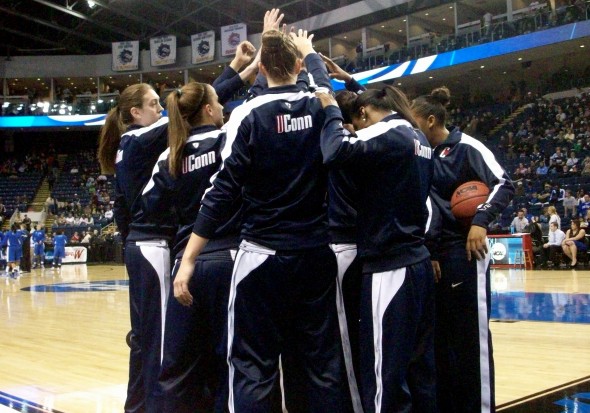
[179, 92]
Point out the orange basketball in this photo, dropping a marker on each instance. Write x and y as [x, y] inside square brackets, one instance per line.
[467, 198]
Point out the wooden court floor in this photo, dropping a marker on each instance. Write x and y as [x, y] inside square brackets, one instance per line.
[62, 336]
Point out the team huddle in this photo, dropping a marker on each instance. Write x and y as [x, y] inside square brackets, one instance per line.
[302, 256]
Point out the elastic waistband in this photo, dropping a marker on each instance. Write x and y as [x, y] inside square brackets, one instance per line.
[152, 243]
[342, 247]
[253, 247]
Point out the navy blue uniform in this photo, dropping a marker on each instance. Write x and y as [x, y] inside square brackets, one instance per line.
[194, 365]
[283, 284]
[465, 368]
[147, 258]
[147, 254]
[342, 216]
[393, 169]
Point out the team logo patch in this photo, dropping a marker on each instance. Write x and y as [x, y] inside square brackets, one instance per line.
[203, 48]
[444, 152]
[87, 286]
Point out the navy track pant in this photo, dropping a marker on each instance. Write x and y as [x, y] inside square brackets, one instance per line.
[148, 267]
[279, 300]
[193, 377]
[463, 341]
[397, 340]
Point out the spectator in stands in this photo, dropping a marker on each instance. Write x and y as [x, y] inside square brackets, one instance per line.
[27, 222]
[572, 160]
[558, 156]
[521, 171]
[556, 195]
[545, 194]
[75, 238]
[575, 241]
[2, 212]
[542, 169]
[519, 222]
[18, 219]
[61, 220]
[86, 237]
[585, 221]
[537, 156]
[553, 168]
[70, 219]
[569, 204]
[51, 205]
[109, 213]
[586, 170]
[584, 205]
[553, 245]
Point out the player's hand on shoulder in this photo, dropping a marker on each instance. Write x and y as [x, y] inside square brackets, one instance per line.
[326, 99]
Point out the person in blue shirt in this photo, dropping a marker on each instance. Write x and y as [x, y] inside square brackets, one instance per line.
[38, 247]
[59, 248]
[13, 240]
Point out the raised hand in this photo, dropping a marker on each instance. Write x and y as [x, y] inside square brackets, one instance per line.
[272, 20]
[303, 42]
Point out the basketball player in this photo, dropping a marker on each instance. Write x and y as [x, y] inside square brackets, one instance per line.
[59, 248]
[180, 177]
[39, 247]
[465, 368]
[133, 152]
[342, 221]
[132, 155]
[13, 241]
[393, 168]
[283, 283]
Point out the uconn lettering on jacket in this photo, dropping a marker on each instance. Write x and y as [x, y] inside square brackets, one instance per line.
[286, 124]
[423, 151]
[192, 162]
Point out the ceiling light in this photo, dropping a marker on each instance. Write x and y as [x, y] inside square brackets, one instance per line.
[582, 45]
[520, 58]
[482, 66]
[91, 4]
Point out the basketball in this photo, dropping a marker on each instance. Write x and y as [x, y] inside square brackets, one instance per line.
[467, 197]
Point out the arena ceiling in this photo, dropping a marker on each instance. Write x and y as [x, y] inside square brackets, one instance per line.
[48, 27]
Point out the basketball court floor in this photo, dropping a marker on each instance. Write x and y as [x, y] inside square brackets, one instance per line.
[62, 340]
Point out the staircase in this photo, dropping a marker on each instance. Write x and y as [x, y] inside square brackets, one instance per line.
[508, 119]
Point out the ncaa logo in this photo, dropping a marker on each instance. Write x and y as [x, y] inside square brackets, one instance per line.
[498, 251]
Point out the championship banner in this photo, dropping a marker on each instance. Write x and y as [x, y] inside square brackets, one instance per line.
[163, 50]
[203, 47]
[125, 56]
[231, 36]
